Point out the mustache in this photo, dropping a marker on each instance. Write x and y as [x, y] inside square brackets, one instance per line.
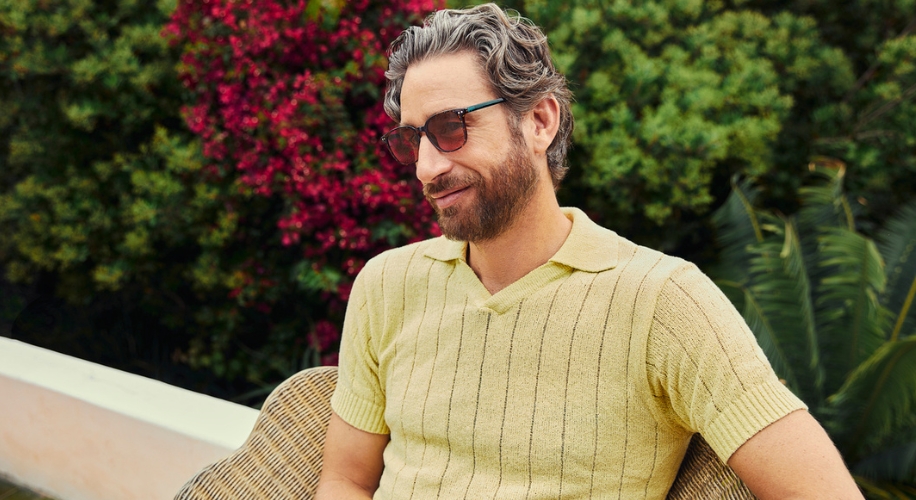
[450, 182]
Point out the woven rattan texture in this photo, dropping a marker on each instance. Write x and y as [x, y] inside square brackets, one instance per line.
[282, 457]
[703, 475]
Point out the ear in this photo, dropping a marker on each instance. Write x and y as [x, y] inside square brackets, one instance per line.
[543, 125]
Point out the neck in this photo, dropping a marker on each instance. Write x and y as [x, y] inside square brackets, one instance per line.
[536, 234]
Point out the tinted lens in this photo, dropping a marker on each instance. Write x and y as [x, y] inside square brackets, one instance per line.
[446, 130]
[403, 143]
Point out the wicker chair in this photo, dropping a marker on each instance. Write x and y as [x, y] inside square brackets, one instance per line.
[282, 457]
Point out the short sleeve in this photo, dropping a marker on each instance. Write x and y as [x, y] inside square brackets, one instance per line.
[359, 398]
[705, 365]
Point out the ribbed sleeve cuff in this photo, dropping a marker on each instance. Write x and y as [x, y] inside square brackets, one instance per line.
[358, 412]
[749, 415]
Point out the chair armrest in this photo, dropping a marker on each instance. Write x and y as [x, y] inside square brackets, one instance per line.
[703, 475]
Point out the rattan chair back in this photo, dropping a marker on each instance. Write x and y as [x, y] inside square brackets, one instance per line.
[281, 459]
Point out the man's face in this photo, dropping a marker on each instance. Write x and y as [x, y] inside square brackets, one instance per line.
[478, 190]
[499, 199]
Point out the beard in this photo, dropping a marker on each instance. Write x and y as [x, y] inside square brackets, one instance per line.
[498, 202]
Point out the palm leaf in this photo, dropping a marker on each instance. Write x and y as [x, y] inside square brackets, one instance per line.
[737, 226]
[768, 338]
[884, 490]
[794, 263]
[877, 400]
[825, 204]
[893, 464]
[851, 322]
[780, 311]
[897, 242]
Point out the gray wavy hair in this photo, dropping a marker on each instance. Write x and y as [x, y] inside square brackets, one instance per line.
[513, 52]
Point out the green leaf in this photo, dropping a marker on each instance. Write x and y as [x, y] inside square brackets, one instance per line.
[897, 242]
[316, 279]
[758, 321]
[778, 280]
[897, 463]
[884, 489]
[737, 224]
[851, 321]
[825, 204]
[878, 399]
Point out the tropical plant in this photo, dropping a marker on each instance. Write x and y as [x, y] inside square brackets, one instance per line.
[833, 311]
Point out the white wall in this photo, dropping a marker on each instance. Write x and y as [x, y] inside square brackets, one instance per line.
[76, 430]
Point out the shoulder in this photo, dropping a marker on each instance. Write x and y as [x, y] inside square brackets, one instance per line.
[692, 312]
[400, 257]
[395, 265]
[650, 268]
[688, 283]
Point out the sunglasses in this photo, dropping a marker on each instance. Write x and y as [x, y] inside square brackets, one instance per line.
[446, 131]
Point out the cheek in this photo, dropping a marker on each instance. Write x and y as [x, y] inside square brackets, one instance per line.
[489, 148]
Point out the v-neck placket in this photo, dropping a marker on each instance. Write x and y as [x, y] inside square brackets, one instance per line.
[505, 299]
[588, 248]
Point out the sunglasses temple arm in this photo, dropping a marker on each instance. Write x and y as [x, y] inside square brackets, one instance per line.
[484, 105]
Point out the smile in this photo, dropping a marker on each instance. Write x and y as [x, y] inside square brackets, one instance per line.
[448, 198]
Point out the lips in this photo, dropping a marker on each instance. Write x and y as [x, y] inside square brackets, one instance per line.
[447, 198]
[448, 190]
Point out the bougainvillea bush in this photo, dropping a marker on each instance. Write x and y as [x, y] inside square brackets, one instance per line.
[286, 96]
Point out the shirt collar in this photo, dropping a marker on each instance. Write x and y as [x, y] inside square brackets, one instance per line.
[589, 247]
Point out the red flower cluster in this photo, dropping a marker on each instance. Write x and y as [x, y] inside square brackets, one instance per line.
[288, 98]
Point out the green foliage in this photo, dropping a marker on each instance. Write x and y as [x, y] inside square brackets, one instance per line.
[897, 241]
[675, 97]
[878, 398]
[104, 201]
[92, 165]
[874, 129]
[869, 123]
[182, 254]
[816, 293]
[779, 305]
[672, 98]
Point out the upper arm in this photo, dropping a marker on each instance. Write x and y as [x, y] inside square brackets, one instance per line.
[793, 458]
[706, 368]
[721, 385]
[352, 461]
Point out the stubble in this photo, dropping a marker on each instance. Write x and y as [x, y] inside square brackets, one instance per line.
[499, 200]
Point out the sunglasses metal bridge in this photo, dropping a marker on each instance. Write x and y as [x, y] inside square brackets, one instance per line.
[445, 130]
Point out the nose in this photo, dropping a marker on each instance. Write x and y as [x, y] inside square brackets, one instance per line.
[431, 163]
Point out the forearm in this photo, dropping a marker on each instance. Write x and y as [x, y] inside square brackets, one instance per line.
[340, 488]
[794, 458]
[352, 463]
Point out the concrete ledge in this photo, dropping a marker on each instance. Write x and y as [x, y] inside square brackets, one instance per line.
[76, 430]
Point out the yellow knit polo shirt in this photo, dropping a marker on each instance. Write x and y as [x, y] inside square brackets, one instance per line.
[584, 379]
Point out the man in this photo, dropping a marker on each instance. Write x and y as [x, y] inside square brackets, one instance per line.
[530, 353]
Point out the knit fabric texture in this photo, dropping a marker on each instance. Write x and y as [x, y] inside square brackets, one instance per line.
[584, 379]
